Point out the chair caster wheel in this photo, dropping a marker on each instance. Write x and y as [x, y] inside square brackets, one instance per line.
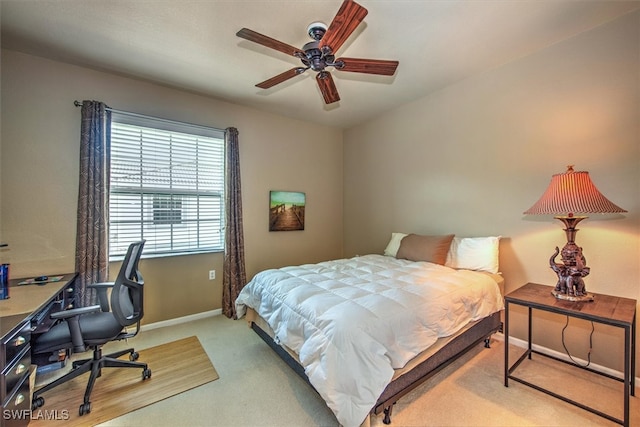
[146, 373]
[85, 408]
[134, 356]
[37, 403]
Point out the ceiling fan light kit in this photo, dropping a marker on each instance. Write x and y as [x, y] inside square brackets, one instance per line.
[316, 30]
[319, 54]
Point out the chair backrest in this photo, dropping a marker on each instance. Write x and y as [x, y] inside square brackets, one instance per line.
[127, 296]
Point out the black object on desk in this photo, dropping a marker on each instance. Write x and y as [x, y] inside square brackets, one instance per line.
[40, 280]
[4, 281]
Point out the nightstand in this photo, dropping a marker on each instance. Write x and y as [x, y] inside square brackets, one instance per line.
[605, 309]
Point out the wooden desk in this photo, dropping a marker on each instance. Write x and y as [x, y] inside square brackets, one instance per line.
[24, 314]
[605, 309]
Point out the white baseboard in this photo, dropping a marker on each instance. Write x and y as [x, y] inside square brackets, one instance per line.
[179, 320]
[523, 344]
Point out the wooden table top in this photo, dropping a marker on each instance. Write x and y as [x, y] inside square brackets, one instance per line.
[604, 308]
[26, 299]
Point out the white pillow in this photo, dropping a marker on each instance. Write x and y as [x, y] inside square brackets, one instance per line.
[474, 253]
[394, 244]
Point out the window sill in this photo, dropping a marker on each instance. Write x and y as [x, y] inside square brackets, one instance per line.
[118, 258]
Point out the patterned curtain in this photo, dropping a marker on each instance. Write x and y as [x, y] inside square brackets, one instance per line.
[234, 274]
[92, 259]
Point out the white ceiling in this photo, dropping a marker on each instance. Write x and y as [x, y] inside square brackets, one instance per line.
[191, 44]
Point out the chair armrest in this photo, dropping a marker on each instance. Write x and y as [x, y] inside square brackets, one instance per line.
[101, 285]
[72, 317]
[65, 314]
[102, 289]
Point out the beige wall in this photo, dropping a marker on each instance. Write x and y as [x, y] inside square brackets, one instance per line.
[39, 178]
[468, 159]
[472, 157]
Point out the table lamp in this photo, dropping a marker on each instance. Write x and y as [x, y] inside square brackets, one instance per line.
[568, 194]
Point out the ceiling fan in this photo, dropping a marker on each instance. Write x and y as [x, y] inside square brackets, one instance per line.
[319, 54]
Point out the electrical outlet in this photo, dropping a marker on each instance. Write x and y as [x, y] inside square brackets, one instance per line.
[212, 274]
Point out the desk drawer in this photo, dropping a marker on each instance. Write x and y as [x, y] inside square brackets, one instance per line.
[16, 410]
[70, 296]
[14, 373]
[13, 344]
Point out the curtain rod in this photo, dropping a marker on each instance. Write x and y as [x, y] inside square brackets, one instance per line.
[128, 113]
[79, 104]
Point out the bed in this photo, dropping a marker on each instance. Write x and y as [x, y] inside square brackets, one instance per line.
[366, 330]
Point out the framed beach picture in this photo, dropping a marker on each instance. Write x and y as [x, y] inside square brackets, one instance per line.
[286, 210]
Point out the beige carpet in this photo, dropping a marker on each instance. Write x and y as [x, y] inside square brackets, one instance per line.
[176, 367]
[471, 392]
[257, 389]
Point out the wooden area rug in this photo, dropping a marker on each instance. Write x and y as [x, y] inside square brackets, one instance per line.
[175, 367]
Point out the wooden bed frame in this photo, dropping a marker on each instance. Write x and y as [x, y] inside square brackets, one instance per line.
[447, 353]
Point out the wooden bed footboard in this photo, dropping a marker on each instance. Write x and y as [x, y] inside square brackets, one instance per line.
[408, 381]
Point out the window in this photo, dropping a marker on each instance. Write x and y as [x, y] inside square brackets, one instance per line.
[167, 186]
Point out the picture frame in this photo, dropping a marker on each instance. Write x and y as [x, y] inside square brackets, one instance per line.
[286, 210]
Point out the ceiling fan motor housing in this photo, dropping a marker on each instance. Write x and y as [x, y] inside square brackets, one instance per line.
[314, 58]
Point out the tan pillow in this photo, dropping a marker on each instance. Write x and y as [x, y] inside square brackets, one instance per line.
[425, 248]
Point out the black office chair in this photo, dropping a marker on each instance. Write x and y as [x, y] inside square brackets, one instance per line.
[87, 328]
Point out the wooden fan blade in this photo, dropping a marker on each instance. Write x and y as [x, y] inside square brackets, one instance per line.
[368, 66]
[327, 87]
[281, 78]
[267, 41]
[344, 23]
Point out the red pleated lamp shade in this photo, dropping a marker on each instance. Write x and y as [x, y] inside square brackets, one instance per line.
[572, 193]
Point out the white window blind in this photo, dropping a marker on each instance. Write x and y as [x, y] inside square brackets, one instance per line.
[167, 186]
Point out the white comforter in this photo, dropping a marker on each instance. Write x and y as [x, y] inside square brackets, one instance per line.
[353, 321]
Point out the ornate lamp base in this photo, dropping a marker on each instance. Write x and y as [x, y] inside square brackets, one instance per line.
[570, 286]
[560, 295]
